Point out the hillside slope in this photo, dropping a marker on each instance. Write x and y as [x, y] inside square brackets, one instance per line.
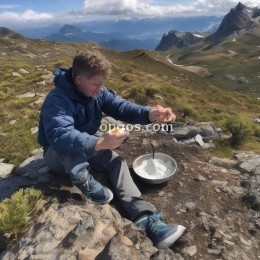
[145, 77]
[234, 62]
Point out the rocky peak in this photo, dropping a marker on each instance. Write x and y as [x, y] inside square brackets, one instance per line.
[239, 19]
[70, 29]
[5, 32]
[240, 7]
[178, 39]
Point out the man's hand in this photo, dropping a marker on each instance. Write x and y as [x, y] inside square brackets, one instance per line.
[160, 114]
[111, 140]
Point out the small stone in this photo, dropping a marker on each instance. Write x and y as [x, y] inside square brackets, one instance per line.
[214, 251]
[125, 240]
[199, 140]
[15, 74]
[48, 78]
[238, 190]
[226, 189]
[245, 184]
[190, 251]
[190, 205]
[185, 166]
[215, 208]
[246, 242]
[229, 243]
[251, 164]
[145, 142]
[40, 67]
[216, 182]
[228, 237]
[224, 170]
[218, 234]
[252, 229]
[155, 144]
[199, 178]
[162, 193]
[5, 169]
[12, 122]
[34, 130]
[23, 71]
[181, 183]
[39, 101]
[217, 189]
[234, 172]
[41, 83]
[224, 162]
[27, 95]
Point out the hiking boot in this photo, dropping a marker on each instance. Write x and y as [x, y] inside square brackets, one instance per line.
[93, 190]
[161, 235]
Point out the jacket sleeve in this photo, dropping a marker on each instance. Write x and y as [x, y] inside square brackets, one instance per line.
[60, 132]
[124, 110]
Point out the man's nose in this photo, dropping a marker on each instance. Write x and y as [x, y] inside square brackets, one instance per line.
[100, 88]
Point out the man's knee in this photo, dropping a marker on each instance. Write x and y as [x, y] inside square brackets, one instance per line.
[110, 155]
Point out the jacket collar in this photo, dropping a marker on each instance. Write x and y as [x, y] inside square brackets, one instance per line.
[63, 80]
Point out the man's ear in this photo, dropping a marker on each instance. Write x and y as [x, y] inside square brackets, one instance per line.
[77, 80]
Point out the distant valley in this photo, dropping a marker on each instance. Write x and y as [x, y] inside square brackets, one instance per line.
[230, 57]
[122, 34]
[224, 50]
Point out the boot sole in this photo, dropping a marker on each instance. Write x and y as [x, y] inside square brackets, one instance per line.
[171, 239]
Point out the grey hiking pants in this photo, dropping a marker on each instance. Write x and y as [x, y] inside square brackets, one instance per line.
[114, 166]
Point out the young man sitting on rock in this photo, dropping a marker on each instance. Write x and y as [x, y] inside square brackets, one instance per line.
[69, 120]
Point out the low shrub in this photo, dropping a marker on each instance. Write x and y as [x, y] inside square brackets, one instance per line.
[222, 148]
[128, 77]
[257, 132]
[240, 128]
[188, 111]
[16, 212]
[151, 90]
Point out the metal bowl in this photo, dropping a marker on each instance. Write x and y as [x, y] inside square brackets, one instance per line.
[138, 161]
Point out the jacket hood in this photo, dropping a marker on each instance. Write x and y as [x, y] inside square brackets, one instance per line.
[63, 79]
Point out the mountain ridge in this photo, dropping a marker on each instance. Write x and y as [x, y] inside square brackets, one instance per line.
[179, 39]
[240, 18]
[5, 32]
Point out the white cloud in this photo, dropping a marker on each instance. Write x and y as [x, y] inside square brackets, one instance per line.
[133, 8]
[112, 9]
[8, 6]
[146, 8]
[28, 18]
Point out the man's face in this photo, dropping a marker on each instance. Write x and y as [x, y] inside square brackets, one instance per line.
[89, 87]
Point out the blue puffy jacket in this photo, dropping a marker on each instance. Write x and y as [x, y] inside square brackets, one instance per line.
[69, 120]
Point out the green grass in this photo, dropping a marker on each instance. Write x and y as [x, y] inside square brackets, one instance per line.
[222, 149]
[219, 61]
[17, 212]
[137, 75]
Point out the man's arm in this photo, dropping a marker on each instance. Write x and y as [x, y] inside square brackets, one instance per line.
[132, 113]
[60, 132]
[124, 110]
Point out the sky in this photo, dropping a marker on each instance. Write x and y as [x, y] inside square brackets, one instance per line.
[20, 14]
